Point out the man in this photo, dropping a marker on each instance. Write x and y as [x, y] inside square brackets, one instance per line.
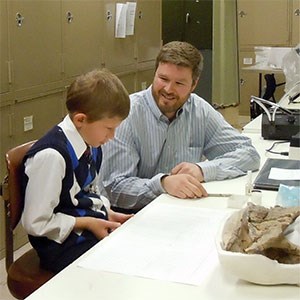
[172, 139]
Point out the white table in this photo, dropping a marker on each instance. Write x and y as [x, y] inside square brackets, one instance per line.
[79, 283]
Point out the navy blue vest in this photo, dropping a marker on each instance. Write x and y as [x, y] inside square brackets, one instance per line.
[56, 139]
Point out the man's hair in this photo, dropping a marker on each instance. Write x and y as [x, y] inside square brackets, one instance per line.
[98, 94]
[181, 54]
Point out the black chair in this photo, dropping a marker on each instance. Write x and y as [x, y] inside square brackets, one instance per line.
[269, 92]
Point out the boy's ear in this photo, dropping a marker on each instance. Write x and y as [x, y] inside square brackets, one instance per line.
[79, 119]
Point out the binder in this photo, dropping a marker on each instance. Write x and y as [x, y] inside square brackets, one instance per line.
[262, 180]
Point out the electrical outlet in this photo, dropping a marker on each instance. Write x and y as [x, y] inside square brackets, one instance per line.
[28, 123]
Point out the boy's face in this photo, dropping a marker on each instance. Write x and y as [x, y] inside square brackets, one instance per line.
[98, 132]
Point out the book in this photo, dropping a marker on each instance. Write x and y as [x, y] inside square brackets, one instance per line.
[262, 180]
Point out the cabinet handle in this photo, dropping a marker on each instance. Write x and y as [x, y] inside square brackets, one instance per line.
[19, 19]
[108, 15]
[187, 18]
[242, 14]
[242, 81]
[69, 17]
[297, 12]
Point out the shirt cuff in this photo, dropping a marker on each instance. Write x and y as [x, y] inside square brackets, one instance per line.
[155, 184]
[209, 170]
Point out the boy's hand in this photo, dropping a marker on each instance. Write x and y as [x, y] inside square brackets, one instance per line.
[118, 217]
[102, 228]
[99, 227]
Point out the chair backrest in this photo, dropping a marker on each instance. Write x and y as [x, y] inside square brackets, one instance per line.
[25, 274]
[14, 159]
[12, 194]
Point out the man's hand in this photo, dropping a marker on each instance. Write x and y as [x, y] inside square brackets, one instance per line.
[183, 186]
[188, 168]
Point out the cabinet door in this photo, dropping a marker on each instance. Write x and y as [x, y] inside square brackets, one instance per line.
[35, 36]
[145, 78]
[118, 52]
[32, 118]
[6, 136]
[263, 22]
[82, 36]
[4, 82]
[128, 79]
[148, 29]
[295, 23]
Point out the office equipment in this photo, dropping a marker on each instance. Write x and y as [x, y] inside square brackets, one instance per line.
[294, 151]
[24, 275]
[277, 125]
[263, 180]
[283, 127]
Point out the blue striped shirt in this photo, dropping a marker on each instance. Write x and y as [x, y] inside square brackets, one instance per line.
[147, 146]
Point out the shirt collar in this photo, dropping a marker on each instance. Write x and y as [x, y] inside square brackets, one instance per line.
[73, 136]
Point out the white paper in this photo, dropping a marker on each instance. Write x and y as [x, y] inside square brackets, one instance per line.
[284, 174]
[120, 26]
[130, 17]
[168, 242]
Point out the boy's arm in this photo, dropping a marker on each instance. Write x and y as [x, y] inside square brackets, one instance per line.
[45, 171]
[99, 227]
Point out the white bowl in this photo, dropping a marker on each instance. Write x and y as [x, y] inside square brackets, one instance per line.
[257, 268]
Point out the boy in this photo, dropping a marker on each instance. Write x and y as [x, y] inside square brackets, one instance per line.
[64, 214]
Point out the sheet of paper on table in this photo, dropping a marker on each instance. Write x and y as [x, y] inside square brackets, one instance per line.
[168, 242]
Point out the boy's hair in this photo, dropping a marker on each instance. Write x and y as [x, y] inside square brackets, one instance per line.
[98, 94]
[181, 54]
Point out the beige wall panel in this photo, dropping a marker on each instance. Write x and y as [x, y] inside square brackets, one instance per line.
[45, 111]
[248, 87]
[129, 81]
[118, 52]
[4, 85]
[144, 79]
[295, 16]
[36, 43]
[263, 22]
[82, 36]
[6, 136]
[5, 144]
[148, 29]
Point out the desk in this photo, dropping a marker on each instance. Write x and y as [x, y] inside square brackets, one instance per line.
[79, 283]
[262, 69]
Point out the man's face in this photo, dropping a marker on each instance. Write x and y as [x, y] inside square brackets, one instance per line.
[171, 87]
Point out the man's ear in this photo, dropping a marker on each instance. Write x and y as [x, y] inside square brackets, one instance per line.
[195, 84]
[79, 119]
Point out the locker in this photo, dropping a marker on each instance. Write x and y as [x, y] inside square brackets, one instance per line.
[295, 16]
[148, 29]
[145, 78]
[32, 118]
[6, 136]
[4, 78]
[82, 36]
[35, 36]
[118, 52]
[128, 79]
[263, 22]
